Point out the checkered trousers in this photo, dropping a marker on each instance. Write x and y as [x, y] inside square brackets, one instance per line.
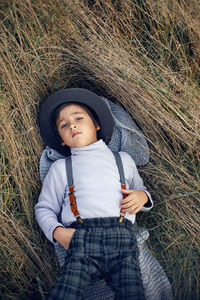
[100, 248]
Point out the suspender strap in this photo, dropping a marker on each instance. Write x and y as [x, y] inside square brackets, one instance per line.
[122, 180]
[72, 198]
[120, 168]
[68, 165]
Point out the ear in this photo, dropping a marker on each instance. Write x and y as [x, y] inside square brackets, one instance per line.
[62, 144]
[98, 128]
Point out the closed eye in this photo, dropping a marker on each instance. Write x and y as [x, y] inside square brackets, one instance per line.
[64, 125]
[79, 118]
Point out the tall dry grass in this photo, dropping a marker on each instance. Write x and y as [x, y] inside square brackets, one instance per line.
[145, 54]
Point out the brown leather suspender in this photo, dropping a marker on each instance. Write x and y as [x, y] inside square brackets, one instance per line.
[72, 198]
[73, 205]
[122, 180]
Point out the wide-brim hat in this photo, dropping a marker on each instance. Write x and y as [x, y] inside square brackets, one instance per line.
[73, 95]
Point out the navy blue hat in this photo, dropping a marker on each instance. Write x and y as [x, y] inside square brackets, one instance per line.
[73, 95]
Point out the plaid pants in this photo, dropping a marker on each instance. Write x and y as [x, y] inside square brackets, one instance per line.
[100, 248]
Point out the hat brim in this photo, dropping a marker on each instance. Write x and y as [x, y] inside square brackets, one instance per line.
[79, 96]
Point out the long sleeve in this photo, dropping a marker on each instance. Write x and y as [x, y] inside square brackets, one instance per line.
[133, 178]
[50, 199]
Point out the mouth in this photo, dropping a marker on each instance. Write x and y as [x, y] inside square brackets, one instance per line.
[75, 133]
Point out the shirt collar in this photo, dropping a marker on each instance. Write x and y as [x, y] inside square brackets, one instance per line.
[98, 146]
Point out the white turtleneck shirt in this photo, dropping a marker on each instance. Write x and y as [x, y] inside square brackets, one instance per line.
[96, 183]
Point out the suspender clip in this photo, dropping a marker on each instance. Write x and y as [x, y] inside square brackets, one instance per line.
[121, 218]
[79, 220]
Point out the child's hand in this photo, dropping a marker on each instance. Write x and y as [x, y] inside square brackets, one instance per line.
[134, 201]
[63, 235]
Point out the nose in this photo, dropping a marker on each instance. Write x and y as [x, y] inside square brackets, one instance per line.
[73, 126]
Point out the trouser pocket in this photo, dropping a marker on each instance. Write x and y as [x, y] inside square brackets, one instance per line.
[74, 241]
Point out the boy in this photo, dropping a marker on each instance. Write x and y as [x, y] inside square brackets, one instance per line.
[77, 121]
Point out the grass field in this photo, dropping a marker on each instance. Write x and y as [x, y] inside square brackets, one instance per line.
[145, 54]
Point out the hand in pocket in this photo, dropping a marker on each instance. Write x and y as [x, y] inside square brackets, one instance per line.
[63, 235]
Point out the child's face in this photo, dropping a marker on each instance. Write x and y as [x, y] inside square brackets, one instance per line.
[75, 127]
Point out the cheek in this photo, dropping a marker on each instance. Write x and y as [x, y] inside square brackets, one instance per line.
[94, 132]
[64, 133]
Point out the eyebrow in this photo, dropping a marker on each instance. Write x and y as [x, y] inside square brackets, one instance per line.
[74, 113]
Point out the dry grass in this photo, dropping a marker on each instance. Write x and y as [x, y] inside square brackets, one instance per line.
[146, 55]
